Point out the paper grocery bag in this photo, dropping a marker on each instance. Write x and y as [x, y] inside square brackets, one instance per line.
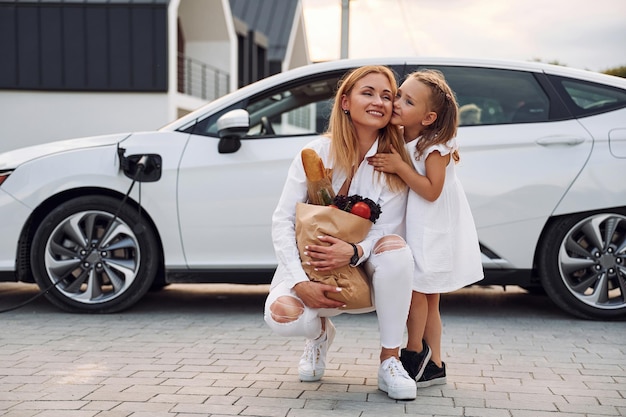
[313, 221]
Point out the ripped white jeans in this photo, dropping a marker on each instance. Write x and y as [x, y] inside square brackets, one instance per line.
[391, 268]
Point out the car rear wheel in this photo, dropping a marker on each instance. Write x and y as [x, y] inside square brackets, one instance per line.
[97, 261]
[582, 264]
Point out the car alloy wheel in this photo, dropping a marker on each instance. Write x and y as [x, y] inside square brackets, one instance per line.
[95, 260]
[584, 264]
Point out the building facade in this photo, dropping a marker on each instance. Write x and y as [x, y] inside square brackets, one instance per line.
[72, 69]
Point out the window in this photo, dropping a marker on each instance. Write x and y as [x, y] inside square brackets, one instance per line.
[293, 109]
[587, 98]
[492, 96]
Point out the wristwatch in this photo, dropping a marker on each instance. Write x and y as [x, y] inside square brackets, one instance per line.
[355, 258]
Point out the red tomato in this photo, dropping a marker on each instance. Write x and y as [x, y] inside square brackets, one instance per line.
[361, 209]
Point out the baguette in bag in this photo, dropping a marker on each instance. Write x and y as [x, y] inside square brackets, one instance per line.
[319, 186]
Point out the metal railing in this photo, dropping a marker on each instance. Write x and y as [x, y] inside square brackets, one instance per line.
[199, 79]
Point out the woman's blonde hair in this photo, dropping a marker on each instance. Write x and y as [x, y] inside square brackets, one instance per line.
[442, 102]
[344, 142]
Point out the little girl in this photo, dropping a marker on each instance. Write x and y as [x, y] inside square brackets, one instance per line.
[439, 224]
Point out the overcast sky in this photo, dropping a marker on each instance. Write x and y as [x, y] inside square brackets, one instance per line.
[587, 34]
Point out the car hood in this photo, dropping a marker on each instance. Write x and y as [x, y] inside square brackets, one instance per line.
[13, 159]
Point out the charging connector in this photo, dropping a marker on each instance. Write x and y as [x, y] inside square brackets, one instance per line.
[150, 165]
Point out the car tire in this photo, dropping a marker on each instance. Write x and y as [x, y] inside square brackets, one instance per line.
[534, 289]
[582, 264]
[84, 273]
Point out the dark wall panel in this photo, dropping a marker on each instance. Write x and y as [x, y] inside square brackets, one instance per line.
[98, 54]
[28, 63]
[51, 42]
[120, 63]
[161, 49]
[142, 33]
[8, 49]
[74, 48]
[85, 47]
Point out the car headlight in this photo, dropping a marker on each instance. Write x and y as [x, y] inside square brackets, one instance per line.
[4, 175]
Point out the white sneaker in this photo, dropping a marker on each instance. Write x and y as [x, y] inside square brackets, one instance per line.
[313, 361]
[395, 381]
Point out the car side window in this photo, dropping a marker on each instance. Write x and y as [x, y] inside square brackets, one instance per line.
[488, 96]
[300, 108]
[584, 98]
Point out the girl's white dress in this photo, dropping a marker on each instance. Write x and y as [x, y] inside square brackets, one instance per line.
[442, 234]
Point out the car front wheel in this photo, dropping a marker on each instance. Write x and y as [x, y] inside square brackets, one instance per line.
[94, 255]
[582, 264]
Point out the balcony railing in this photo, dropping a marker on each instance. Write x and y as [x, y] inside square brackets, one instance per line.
[199, 79]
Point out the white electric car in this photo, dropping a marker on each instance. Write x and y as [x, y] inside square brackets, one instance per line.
[99, 221]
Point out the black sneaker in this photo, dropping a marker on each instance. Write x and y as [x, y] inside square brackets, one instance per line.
[414, 362]
[433, 375]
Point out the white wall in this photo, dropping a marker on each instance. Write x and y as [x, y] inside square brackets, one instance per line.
[209, 37]
[30, 117]
[208, 31]
[297, 53]
[215, 54]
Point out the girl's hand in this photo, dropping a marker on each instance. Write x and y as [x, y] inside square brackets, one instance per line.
[328, 257]
[386, 162]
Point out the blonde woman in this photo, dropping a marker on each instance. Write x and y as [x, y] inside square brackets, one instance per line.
[358, 128]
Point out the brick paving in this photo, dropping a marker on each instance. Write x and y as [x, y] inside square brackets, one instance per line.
[203, 350]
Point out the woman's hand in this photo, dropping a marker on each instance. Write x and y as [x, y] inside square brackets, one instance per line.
[387, 162]
[328, 257]
[313, 294]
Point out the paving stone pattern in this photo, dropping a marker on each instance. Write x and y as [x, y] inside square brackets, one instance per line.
[204, 350]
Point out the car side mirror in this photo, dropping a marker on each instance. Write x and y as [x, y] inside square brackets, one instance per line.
[231, 127]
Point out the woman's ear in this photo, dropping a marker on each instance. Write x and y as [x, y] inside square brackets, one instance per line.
[429, 119]
[344, 103]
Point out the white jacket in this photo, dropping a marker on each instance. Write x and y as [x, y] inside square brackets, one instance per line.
[366, 183]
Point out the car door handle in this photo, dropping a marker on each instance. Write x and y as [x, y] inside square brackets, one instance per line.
[560, 140]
